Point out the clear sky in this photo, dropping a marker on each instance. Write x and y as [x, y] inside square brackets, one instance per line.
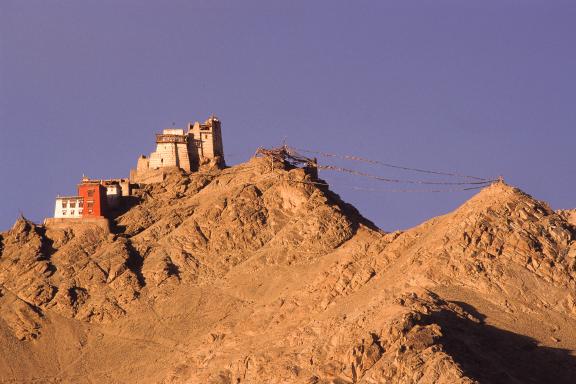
[480, 87]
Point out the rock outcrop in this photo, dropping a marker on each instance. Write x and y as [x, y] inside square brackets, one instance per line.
[254, 274]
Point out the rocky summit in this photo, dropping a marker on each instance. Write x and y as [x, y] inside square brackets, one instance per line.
[257, 274]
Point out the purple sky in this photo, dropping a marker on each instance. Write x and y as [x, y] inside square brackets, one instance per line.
[486, 88]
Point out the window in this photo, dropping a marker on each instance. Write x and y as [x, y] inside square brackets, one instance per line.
[90, 192]
[72, 212]
[72, 204]
[89, 211]
[64, 212]
[80, 204]
[64, 203]
[90, 204]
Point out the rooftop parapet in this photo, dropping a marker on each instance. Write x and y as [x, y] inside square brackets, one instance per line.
[171, 138]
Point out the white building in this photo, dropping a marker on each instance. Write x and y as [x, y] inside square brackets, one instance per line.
[113, 195]
[68, 207]
[72, 207]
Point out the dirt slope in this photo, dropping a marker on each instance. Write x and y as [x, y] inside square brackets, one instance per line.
[255, 275]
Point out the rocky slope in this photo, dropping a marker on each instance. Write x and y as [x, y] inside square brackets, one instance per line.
[255, 275]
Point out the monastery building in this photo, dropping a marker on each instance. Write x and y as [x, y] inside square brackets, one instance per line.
[200, 145]
[197, 147]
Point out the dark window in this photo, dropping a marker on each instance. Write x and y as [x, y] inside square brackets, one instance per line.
[64, 203]
[90, 204]
[72, 204]
[90, 192]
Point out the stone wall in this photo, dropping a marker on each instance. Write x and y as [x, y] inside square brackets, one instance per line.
[149, 176]
[183, 160]
[170, 155]
[143, 164]
[125, 186]
[164, 156]
[80, 223]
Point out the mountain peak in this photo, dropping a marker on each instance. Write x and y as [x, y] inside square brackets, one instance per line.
[499, 193]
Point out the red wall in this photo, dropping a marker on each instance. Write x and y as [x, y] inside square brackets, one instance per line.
[97, 199]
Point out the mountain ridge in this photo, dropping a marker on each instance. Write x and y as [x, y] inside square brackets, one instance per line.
[260, 274]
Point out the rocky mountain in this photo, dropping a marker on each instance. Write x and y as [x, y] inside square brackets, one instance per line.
[257, 274]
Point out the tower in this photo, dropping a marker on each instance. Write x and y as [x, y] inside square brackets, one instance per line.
[171, 150]
[207, 140]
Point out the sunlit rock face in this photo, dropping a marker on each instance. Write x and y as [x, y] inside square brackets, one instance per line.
[254, 274]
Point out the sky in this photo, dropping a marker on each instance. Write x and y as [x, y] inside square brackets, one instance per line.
[485, 88]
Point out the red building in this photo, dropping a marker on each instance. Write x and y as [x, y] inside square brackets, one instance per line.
[94, 198]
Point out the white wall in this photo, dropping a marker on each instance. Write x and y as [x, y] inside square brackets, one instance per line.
[173, 131]
[170, 155]
[164, 156]
[113, 194]
[68, 207]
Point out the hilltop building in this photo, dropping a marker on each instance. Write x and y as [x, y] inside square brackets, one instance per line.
[189, 149]
[95, 199]
[199, 146]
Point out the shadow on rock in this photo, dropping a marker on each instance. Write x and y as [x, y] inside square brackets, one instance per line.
[128, 202]
[135, 263]
[492, 355]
